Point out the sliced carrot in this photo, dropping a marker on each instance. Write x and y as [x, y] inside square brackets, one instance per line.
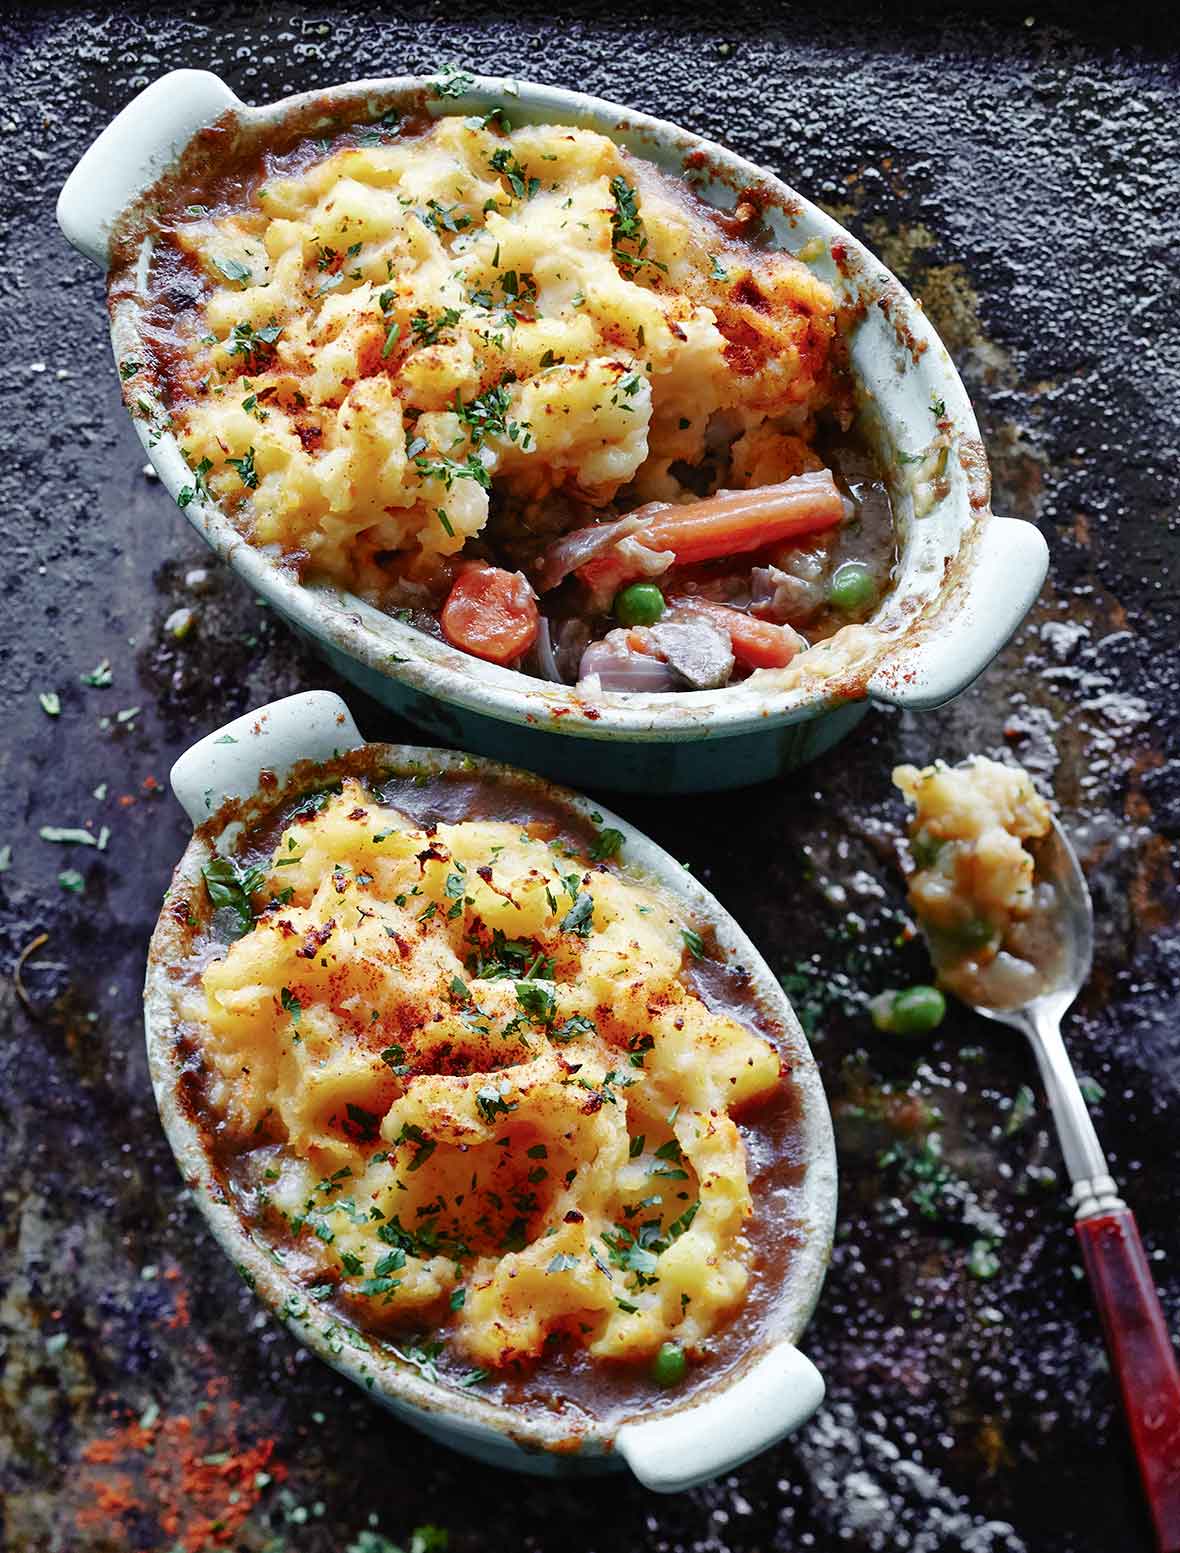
[491, 614]
[759, 644]
[733, 522]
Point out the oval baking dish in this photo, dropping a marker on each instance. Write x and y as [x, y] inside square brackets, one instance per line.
[964, 578]
[747, 1384]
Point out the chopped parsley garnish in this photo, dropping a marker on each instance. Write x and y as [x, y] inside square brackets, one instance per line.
[291, 1004]
[537, 1001]
[627, 227]
[425, 1146]
[571, 1028]
[579, 918]
[366, 1123]
[451, 81]
[506, 164]
[448, 470]
[443, 217]
[607, 843]
[246, 470]
[427, 329]
[491, 1103]
[693, 942]
[231, 887]
[199, 487]
[256, 345]
[233, 269]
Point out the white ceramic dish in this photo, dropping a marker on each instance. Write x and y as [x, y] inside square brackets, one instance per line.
[966, 578]
[771, 1391]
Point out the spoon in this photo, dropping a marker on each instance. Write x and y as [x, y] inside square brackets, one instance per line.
[1137, 1339]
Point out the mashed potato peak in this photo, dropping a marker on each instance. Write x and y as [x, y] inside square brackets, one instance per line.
[472, 1085]
[397, 332]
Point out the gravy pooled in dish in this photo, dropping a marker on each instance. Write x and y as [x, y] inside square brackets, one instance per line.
[986, 917]
[487, 1096]
[529, 393]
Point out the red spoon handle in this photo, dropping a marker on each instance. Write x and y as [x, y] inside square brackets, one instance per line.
[1143, 1358]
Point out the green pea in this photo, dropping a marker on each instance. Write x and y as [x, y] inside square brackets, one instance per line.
[640, 604]
[852, 588]
[669, 1366]
[918, 1010]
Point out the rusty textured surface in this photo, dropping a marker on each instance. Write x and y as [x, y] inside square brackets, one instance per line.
[1022, 179]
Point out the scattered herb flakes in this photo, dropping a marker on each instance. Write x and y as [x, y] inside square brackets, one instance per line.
[693, 942]
[562, 1263]
[1092, 1091]
[68, 835]
[291, 1004]
[100, 676]
[70, 879]
[982, 1261]
[1023, 1107]
[5, 858]
[50, 703]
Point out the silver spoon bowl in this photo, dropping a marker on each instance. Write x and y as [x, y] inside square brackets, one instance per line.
[1094, 1190]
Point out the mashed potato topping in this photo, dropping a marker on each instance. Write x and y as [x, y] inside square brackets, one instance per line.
[472, 1086]
[973, 887]
[395, 332]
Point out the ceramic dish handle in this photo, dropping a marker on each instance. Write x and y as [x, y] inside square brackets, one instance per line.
[133, 151]
[678, 1450]
[1010, 565]
[315, 725]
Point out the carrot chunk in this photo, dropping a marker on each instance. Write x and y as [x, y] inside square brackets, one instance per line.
[730, 523]
[759, 644]
[491, 614]
[736, 521]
